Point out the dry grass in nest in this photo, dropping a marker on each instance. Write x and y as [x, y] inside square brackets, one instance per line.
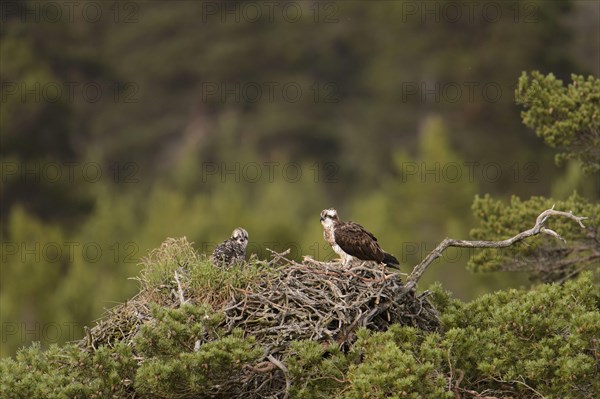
[277, 302]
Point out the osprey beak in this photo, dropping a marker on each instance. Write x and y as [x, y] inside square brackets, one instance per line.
[321, 219]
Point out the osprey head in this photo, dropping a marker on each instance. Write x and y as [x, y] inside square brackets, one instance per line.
[240, 236]
[328, 217]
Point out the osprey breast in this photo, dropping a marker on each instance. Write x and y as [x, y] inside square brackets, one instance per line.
[329, 237]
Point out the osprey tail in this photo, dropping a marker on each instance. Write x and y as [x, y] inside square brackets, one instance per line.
[390, 260]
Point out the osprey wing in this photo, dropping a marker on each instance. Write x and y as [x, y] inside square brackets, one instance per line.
[358, 242]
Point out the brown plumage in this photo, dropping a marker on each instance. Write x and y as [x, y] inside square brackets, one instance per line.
[351, 240]
[232, 250]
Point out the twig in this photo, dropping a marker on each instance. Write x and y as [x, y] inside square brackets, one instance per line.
[458, 381]
[282, 367]
[179, 289]
[519, 382]
[450, 242]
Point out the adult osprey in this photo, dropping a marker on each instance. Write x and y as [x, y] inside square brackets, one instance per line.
[231, 250]
[351, 240]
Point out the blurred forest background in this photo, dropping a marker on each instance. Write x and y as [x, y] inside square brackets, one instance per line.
[124, 123]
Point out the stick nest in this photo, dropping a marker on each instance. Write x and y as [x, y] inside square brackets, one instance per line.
[326, 302]
[283, 302]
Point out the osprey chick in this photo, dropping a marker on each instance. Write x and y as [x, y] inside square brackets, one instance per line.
[351, 240]
[231, 250]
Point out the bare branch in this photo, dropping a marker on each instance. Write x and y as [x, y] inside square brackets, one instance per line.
[179, 289]
[450, 242]
[282, 367]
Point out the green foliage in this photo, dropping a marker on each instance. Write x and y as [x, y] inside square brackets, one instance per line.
[68, 372]
[162, 262]
[544, 340]
[316, 371]
[356, 102]
[203, 281]
[177, 330]
[400, 363]
[567, 118]
[39, 123]
[520, 343]
[191, 373]
[547, 258]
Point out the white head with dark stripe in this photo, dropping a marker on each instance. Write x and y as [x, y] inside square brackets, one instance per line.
[329, 217]
[240, 236]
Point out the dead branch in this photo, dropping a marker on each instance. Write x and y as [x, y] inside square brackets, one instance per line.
[282, 367]
[538, 228]
[179, 289]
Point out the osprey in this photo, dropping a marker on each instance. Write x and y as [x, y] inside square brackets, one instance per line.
[231, 250]
[351, 240]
